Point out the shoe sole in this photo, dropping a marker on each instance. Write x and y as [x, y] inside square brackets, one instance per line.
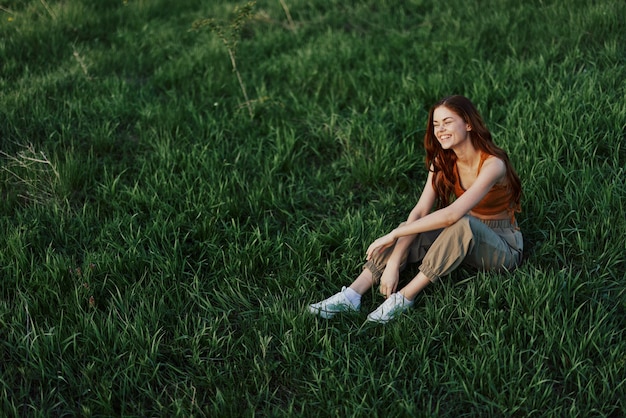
[321, 313]
[327, 314]
[394, 315]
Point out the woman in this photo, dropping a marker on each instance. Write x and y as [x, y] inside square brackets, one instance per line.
[477, 193]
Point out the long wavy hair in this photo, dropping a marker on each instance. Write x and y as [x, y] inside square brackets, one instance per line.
[442, 162]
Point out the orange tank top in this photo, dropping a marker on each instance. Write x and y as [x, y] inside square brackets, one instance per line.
[497, 200]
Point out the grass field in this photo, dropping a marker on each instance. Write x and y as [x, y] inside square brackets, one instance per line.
[162, 236]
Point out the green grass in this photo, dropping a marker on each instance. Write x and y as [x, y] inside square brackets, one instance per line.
[160, 245]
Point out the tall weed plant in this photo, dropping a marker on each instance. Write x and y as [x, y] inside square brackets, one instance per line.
[230, 33]
[160, 245]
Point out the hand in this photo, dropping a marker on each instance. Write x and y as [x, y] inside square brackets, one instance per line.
[389, 281]
[380, 244]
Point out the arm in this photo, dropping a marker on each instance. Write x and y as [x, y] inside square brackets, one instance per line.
[391, 274]
[421, 209]
[492, 171]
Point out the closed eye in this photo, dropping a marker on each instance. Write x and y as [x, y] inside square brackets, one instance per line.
[446, 120]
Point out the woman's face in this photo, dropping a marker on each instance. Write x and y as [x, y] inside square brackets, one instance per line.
[449, 128]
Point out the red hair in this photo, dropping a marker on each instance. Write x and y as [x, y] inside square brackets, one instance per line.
[442, 162]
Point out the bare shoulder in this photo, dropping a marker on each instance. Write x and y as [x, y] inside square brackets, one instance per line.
[494, 163]
[495, 168]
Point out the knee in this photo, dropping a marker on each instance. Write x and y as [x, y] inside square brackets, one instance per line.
[460, 229]
[463, 223]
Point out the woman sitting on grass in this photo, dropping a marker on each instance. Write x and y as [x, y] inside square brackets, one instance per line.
[477, 228]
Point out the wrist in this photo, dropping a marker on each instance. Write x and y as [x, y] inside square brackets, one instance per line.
[393, 263]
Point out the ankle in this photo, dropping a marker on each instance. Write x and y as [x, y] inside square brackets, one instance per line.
[353, 296]
[406, 297]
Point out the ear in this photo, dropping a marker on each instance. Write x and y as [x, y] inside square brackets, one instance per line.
[468, 127]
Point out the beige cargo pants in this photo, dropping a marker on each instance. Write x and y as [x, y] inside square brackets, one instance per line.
[485, 245]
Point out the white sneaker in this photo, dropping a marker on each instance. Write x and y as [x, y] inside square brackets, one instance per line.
[389, 309]
[333, 305]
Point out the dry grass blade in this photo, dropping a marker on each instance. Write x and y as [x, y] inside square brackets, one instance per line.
[35, 176]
